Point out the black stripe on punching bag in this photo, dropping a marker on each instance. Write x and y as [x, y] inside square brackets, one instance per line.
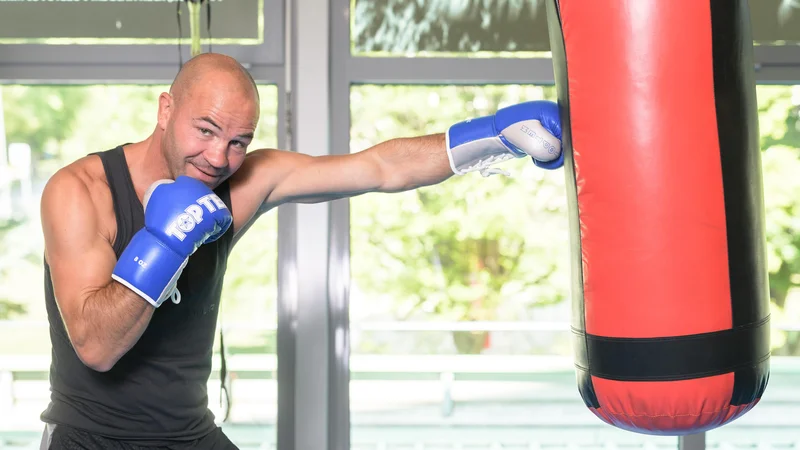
[737, 124]
[557, 48]
[674, 358]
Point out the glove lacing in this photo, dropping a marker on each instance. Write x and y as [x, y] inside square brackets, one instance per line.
[482, 166]
[174, 294]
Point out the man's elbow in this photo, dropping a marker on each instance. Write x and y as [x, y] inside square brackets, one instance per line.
[394, 182]
[393, 179]
[96, 358]
[395, 186]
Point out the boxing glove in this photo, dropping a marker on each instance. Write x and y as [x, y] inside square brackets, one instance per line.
[526, 129]
[179, 217]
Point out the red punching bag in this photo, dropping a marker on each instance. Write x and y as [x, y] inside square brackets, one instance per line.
[660, 135]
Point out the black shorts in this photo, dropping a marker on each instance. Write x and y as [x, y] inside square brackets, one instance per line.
[61, 437]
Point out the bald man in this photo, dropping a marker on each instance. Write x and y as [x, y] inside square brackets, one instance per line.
[137, 240]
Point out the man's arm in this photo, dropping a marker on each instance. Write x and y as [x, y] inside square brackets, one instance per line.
[395, 165]
[103, 318]
[269, 178]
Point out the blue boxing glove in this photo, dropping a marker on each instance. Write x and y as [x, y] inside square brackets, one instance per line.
[526, 129]
[179, 217]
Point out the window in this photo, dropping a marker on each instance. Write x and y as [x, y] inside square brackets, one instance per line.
[459, 301]
[122, 41]
[772, 422]
[775, 22]
[466, 28]
[449, 345]
[515, 28]
[248, 315]
[45, 127]
[130, 22]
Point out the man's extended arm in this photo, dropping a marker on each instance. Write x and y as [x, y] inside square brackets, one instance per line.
[273, 177]
[395, 165]
[103, 318]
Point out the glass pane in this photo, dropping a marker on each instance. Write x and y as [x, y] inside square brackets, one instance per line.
[774, 421]
[126, 22]
[45, 127]
[410, 27]
[249, 315]
[516, 28]
[775, 22]
[459, 301]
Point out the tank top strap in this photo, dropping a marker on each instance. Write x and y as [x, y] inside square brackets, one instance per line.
[128, 209]
[223, 191]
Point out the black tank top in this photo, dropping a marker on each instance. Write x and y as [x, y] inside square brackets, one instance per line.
[157, 392]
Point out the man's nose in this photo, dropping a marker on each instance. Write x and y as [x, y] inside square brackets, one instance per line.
[217, 156]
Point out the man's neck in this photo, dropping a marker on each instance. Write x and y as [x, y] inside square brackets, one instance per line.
[146, 163]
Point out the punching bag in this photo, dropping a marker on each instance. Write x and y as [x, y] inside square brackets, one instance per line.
[660, 134]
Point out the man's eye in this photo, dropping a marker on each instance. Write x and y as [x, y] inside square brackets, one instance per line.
[205, 131]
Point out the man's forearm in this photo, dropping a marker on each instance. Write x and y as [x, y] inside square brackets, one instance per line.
[410, 163]
[112, 320]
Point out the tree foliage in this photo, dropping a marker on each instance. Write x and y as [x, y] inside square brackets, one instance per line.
[471, 248]
[779, 125]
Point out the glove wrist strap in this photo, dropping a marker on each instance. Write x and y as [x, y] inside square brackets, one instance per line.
[478, 155]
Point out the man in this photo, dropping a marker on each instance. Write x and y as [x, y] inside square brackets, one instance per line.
[137, 240]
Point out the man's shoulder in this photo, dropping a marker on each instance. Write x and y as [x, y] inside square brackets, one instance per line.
[266, 162]
[82, 179]
[253, 182]
[266, 154]
[86, 173]
[259, 166]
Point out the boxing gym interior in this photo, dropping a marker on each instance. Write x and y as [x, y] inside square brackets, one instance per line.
[644, 296]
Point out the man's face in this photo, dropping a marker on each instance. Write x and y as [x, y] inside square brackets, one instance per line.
[208, 131]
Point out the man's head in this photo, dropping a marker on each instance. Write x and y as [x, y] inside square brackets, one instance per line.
[208, 118]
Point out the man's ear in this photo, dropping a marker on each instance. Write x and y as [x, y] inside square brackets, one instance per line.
[166, 105]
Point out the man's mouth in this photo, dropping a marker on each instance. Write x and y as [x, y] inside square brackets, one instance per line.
[207, 173]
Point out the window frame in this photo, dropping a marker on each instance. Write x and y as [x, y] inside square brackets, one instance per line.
[93, 62]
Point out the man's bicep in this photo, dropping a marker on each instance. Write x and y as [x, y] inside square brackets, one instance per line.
[80, 258]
